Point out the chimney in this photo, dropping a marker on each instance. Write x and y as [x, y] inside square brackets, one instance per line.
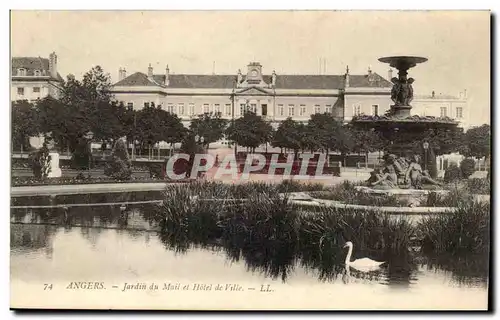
[389, 74]
[53, 65]
[150, 71]
[273, 79]
[369, 70]
[347, 77]
[167, 76]
[433, 94]
[121, 74]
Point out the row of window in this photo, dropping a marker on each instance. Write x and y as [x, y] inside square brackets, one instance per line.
[22, 72]
[357, 110]
[181, 110]
[375, 111]
[459, 112]
[302, 109]
[227, 108]
[20, 90]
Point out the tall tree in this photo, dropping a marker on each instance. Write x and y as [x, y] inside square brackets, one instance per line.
[210, 126]
[97, 84]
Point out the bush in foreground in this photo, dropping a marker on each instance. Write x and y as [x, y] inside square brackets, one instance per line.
[467, 167]
[40, 162]
[452, 173]
[119, 167]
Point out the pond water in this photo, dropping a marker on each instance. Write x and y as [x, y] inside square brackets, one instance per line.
[105, 244]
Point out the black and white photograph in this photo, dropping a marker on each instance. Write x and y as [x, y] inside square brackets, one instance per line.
[250, 160]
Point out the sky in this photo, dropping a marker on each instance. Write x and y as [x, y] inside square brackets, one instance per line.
[457, 44]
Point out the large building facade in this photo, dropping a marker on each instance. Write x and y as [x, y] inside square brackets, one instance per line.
[35, 78]
[274, 96]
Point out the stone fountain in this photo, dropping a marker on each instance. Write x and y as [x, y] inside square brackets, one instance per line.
[410, 153]
[407, 134]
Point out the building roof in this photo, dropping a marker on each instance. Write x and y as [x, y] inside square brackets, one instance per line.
[31, 64]
[282, 81]
[437, 97]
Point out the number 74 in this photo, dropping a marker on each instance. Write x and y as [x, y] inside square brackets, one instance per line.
[47, 286]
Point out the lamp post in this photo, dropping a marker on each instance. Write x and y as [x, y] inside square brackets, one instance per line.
[89, 137]
[232, 115]
[426, 147]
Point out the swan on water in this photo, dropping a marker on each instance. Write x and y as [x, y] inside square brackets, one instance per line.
[363, 264]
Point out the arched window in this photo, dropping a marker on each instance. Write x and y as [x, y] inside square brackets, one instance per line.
[21, 72]
[37, 73]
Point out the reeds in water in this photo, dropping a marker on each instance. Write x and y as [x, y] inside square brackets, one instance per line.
[465, 230]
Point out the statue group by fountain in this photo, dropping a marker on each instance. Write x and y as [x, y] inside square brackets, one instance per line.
[402, 91]
[400, 172]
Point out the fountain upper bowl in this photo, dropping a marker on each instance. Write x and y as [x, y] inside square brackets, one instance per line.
[402, 61]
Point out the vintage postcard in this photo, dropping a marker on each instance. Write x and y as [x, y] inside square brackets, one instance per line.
[250, 160]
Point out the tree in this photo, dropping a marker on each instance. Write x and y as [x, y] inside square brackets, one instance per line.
[478, 141]
[24, 124]
[328, 133]
[364, 141]
[148, 126]
[107, 120]
[249, 131]
[447, 141]
[172, 129]
[210, 126]
[61, 123]
[289, 135]
[94, 87]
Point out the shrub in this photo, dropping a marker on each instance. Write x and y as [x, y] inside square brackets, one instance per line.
[119, 167]
[479, 186]
[40, 162]
[467, 167]
[452, 173]
[81, 157]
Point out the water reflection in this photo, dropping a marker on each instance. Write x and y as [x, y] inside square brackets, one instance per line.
[87, 198]
[33, 230]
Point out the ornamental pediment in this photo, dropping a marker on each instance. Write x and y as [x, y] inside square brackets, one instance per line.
[253, 91]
